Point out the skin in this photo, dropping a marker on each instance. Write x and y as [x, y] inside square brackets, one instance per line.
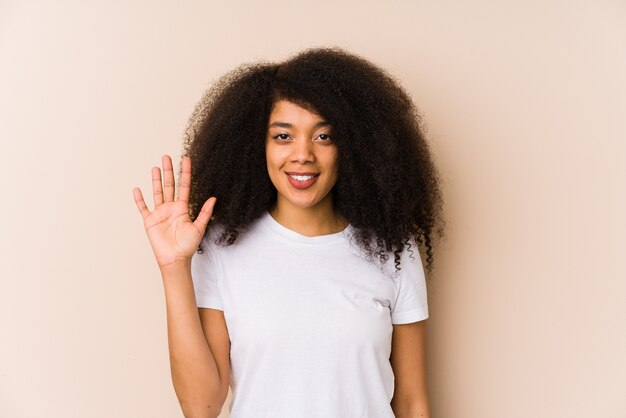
[408, 361]
[199, 343]
[301, 141]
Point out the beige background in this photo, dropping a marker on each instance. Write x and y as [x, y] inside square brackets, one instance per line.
[525, 104]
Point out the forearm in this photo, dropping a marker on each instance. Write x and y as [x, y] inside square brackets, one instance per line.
[194, 371]
[415, 406]
[413, 414]
[411, 409]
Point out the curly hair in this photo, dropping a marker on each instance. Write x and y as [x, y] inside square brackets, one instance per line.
[388, 188]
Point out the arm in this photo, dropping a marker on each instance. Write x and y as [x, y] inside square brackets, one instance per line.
[197, 342]
[408, 360]
[195, 371]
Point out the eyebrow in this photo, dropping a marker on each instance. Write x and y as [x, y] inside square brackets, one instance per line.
[289, 125]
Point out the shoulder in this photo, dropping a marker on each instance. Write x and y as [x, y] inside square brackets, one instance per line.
[214, 235]
[213, 231]
[409, 260]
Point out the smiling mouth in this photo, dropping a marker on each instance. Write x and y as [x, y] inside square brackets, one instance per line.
[302, 181]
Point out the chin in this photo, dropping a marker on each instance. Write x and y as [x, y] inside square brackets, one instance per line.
[304, 205]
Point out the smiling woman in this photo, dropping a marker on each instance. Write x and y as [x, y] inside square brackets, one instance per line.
[289, 259]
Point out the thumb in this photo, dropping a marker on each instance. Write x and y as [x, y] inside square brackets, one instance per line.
[205, 214]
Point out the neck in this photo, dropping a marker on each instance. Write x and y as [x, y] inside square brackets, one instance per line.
[311, 221]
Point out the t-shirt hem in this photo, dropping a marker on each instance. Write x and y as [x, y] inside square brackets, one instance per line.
[209, 302]
[410, 316]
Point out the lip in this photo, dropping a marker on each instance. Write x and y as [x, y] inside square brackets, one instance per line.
[302, 184]
[301, 173]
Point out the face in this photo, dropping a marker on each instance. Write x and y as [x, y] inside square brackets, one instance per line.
[301, 157]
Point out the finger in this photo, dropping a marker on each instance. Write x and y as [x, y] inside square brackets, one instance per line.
[157, 190]
[141, 205]
[205, 214]
[168, 178]
[185, 180]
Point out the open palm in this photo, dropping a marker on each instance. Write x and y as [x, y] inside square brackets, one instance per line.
[174, 237]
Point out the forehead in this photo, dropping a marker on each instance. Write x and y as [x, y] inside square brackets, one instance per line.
[286, 111]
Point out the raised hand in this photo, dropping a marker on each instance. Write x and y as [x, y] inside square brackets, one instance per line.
[173, 236]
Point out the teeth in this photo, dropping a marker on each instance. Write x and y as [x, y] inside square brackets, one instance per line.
[301, 178]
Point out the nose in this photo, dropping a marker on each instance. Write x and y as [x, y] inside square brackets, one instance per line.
[302, 151]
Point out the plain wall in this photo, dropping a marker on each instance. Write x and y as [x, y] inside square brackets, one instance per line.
[524, 104]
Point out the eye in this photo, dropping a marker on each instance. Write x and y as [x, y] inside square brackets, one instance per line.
[324, 137]
[282, 137]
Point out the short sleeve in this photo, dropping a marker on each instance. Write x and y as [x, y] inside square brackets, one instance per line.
[205, 275]
[411, 304]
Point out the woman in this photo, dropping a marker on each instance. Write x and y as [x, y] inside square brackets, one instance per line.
[304, 294]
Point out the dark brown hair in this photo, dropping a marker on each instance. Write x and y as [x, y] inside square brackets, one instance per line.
[387, 188]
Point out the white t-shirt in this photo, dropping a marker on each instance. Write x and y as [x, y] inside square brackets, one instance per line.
[309, 319]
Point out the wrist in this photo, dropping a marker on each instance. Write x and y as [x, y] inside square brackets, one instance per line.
[176, 267]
